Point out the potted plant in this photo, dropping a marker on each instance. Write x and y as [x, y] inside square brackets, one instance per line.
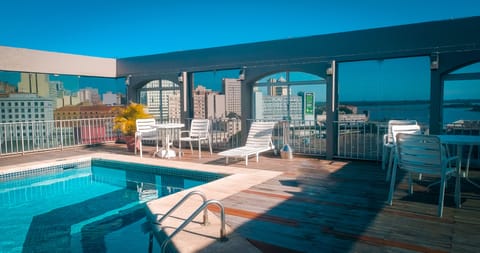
[125, 122]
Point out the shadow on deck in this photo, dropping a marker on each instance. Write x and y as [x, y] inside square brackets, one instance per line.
[319, 205]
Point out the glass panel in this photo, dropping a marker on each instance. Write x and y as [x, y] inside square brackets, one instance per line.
[386, 89]
[461, 103]
[162, 100]
[298, 99]
[47, 111]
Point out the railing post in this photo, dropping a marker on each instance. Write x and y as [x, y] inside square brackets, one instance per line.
[21, 137]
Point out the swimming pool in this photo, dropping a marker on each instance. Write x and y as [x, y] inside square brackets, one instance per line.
[94, 205]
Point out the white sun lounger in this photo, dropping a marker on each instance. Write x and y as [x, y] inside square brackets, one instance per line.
[259, 140]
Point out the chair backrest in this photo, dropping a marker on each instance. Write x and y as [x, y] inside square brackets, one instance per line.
[406, 129]
[396, 122]
[260, 134]
[419, 153]
[145, 125]
[200, 128]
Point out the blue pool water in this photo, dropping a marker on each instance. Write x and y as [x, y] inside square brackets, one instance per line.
[93, 208]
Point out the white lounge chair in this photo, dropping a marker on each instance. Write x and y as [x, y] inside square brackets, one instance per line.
[422, 154]
[145, 130]
[259, 140]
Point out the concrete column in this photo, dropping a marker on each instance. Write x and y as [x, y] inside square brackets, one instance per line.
[188, 96]
[332, 110]
[247, 106]
[436, 102]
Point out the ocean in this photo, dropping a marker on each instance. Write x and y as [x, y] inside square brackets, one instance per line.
[419, 112]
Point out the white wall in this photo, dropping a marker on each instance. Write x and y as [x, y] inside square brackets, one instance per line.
[27, 60]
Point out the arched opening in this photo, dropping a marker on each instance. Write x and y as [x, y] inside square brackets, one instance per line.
[298, 99]
[162, 99]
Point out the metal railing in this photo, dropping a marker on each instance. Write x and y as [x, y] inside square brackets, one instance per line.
[360, 139]
[203, 207]
[355, 139]
[33, 136]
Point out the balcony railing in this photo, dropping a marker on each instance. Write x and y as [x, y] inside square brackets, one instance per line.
[359, 140]
[24, 137]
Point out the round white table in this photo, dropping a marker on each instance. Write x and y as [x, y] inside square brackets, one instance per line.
[166, 128]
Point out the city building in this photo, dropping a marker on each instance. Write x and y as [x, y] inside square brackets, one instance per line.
[215, 106]
[278, 107]
[20, 107]
[34, 83]
[174, 108]
[156, 97]
[26, 108]
[6, 88]
[89, 95]
[110, 98]
[233, 95]
[84, 112]
[199, 102]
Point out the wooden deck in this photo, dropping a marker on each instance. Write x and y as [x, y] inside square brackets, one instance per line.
[334, 206]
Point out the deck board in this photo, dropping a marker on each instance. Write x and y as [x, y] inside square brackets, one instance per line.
[317, 205]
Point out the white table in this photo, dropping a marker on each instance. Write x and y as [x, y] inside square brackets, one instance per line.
[165, 130]
[460, 141]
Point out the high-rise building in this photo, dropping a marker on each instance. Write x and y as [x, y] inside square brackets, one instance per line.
[233, 95]
[199, 102]
[157, 99]
[215, 106]
[34, 83]
[174, 108]
[89, 95]
[278, 107]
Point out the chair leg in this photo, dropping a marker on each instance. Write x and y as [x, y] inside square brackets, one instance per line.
[384, 157]
[392, 183]
[179, 147]
[199, 148]
[441, 196]
[210, 145]
[391, 157]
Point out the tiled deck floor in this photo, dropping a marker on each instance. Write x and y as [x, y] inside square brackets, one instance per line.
[333, 206]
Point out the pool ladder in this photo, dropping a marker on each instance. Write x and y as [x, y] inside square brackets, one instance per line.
[201, 208]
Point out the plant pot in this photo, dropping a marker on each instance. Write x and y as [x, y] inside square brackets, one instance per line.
[130, 141]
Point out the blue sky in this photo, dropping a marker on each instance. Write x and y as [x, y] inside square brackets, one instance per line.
[122, 28]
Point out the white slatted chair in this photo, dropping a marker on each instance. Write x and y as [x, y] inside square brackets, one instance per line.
[145, 130]
[259, 140]
[396, 129]
[421, 154]
[388, 140]
[199, 131]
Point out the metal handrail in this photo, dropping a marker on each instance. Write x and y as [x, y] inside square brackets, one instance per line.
[193, 215]
[180, 202]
